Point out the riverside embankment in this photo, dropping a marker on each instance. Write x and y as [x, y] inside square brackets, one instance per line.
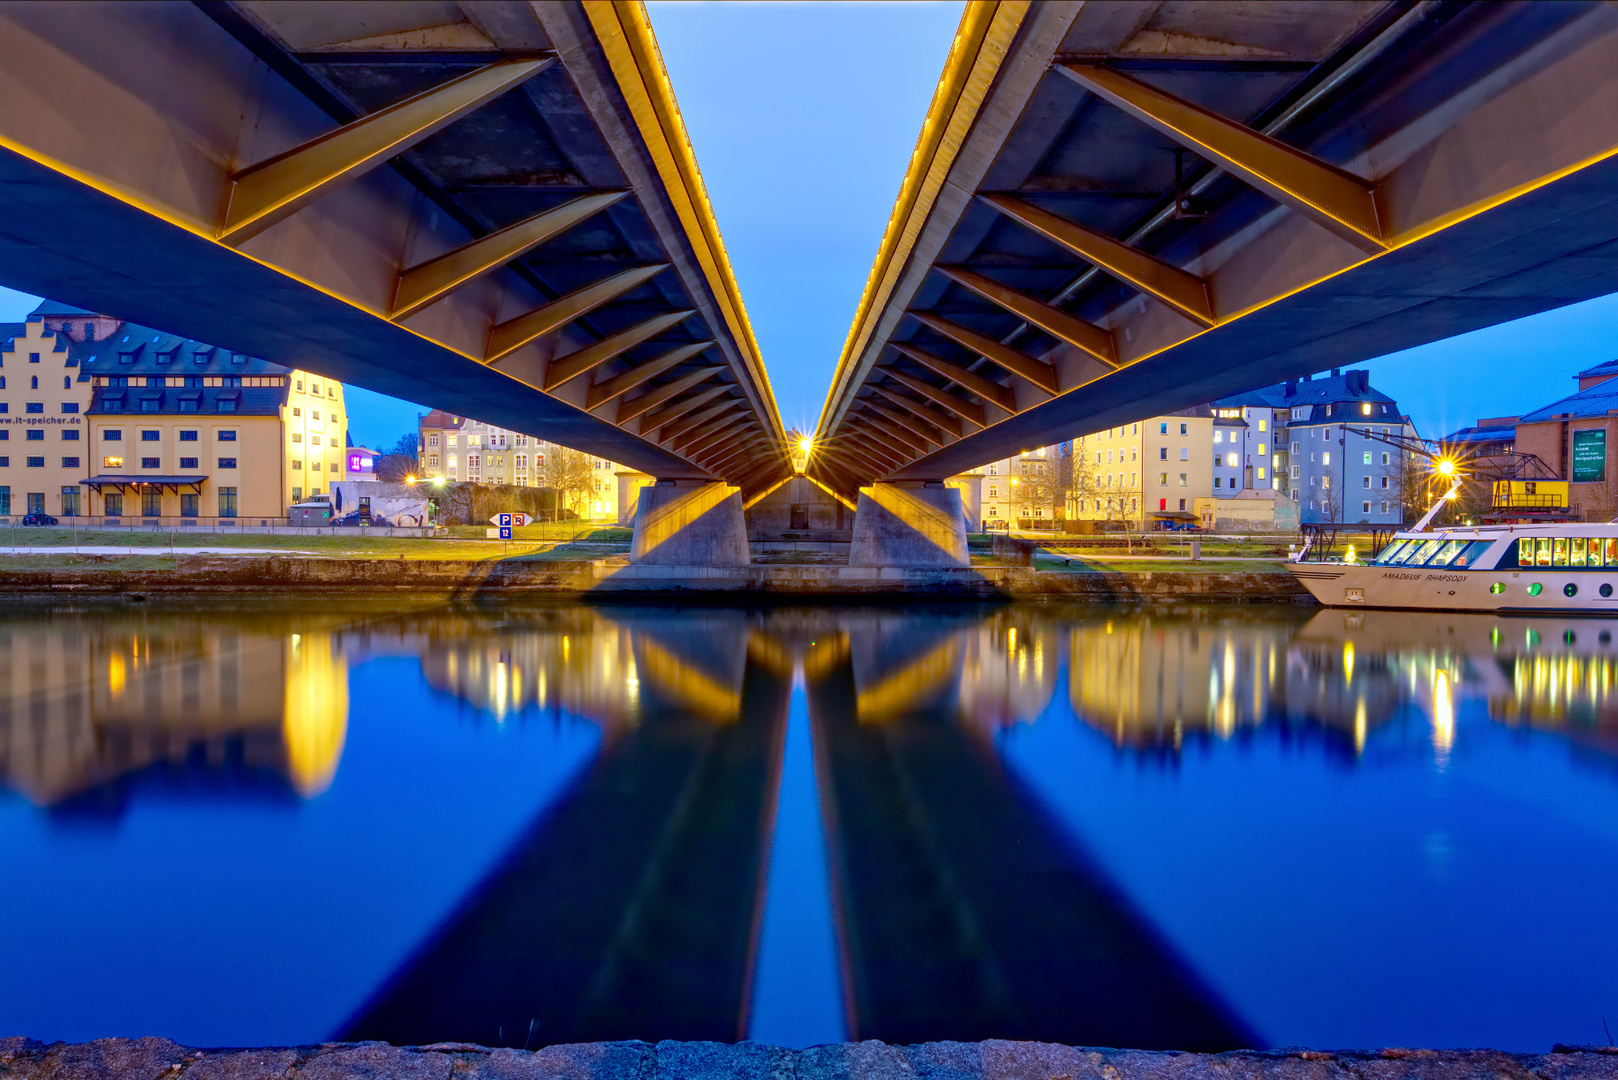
[235, 575]
[160, 1059]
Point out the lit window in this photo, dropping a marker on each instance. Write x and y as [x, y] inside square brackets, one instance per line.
[112, 463]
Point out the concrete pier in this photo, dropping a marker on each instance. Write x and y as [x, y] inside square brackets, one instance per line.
[160, 1059]
[909, 524]
[690, 523]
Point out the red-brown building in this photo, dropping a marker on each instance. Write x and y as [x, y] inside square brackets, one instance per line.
[1578, 438]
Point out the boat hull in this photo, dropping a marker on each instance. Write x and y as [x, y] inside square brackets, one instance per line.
[1348, 585]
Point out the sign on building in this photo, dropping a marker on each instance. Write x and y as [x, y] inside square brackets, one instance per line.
[1590, 456]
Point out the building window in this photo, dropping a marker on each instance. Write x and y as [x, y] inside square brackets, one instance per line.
[150, 404]
[315, 415]
[188, 405]
[314, 440]
[70, 463]
[297, 465]
[1162, 453]
[1162, 479]
[1367, 481]
[297, 494]
[148, 435]
[1260, 474]
[1384, 508]
[33, 358]
[34, 407]
[1183, 480]
[1218, 483]
[227, 436]
[188, 436]
[112, 463]
[190, 504]
[36, 434]
[1384, 482]
[314, 466]
[296, 437]
[36, 463]
[113, 435]
[70, 406]
[226, 405]
[432, 440]
[1163, 429]
[1325, 458]
[151, 502]
[1367, 509]
[70, 435]
[227, 463]
[1185, 452]
[33, 384]
[188, 463]
[227, 502]
[1384, 458]
[1367, 457]
[150, 463]
[113, 505]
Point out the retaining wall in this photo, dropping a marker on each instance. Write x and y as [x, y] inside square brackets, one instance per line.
[207, 574]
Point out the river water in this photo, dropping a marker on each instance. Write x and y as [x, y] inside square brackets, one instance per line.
[519, 825]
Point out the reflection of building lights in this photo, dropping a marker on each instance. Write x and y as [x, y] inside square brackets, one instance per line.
[115, 673]
[315, 721]
[1443, 712]
[1359, 726]
[1348, 661]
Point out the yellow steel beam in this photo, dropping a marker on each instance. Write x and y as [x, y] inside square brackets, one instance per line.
[675, 428]
[1054, 321]
[686, 441]
[987, 389]
[1019, 364]
[1342, 202]
[880, 439]
[677, 409]
[874, 420]
[718, 466]
[915, 426]
[618, 385]
[949, 425]
[278, 187]
[656, 396]
[436, 278]
[873, 455]
[709, 442]
[1185, 293]
[507, 337]
[565, 369]
[969, 411]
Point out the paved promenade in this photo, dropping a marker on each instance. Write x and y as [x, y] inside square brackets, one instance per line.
[159, 1059]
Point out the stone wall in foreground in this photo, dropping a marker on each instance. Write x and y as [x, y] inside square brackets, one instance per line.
[159, 1059]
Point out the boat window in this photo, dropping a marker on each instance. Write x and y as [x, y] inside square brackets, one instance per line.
[1576, 548]
[1595, 552]
[1420, 556]
[1542, 551]
[1525, 551]
[1612, 551]
[1447, 553]
[1392, 552]
[1473, 550]
[1559, 551]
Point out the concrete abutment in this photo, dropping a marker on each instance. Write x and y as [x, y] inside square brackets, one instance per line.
[690, 523]
[918, 523]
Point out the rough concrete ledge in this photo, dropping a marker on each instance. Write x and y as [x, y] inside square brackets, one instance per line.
[160, 1059]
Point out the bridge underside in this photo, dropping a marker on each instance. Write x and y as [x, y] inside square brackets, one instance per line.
[487, 208]
[1151, 205]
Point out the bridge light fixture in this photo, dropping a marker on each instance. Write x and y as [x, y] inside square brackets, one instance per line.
[1445, 467]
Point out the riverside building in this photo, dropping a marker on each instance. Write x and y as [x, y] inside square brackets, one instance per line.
[123, 424]
[460, 449]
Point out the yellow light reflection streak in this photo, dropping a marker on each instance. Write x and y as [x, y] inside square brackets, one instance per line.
[315, 718]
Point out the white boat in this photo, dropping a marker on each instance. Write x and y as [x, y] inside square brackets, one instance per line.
[1568, 567]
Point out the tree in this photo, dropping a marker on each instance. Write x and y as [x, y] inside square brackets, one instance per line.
[569, 473]
[401, 461]
[1410, 482]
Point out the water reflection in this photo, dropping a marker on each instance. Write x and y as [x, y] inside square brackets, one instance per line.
[545, 823]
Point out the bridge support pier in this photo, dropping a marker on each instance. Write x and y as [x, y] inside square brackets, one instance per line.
[909, 523]
[690, 523]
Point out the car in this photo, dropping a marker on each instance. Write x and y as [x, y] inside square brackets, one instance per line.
[39, 519]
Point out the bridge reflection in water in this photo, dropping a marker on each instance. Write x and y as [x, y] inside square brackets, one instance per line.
[962, 901]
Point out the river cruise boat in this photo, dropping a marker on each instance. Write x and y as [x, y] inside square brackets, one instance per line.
[1539, 568]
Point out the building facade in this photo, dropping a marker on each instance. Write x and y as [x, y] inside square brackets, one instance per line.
[122, 424]
[464, 450]
[1155, 469]
[1577, 438]
[1315, 439]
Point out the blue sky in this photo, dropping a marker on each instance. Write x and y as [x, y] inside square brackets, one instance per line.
[803, 117]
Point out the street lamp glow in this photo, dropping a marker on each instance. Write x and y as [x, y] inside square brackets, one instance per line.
[410, 479]
[1445, 467]
[804, 444]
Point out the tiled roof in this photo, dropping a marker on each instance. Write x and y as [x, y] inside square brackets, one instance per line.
[1609, 367]
[132, 401]
[1596, 401]
[140, 350]
[1477, 434]
[56, 307]
[442, 420]
[1327, 390]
